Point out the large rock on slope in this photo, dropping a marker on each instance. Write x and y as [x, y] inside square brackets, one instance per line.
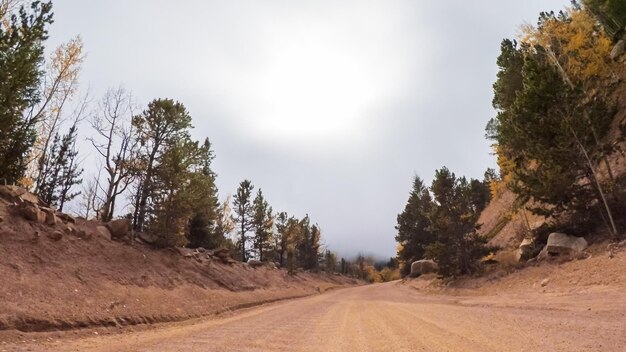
[560, 243]
[104, 232]
[119, 228]
[32, 213]
[424, 266]
[147, 237]
[526, 249]
[255, 263]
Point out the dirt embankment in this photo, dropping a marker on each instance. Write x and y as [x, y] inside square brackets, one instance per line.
[84, 279]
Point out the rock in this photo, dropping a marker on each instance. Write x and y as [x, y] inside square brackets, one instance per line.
[66, 218]
[222, 253]
[31, 198]
[147, 238]
[526, 249]
[104, 232]
[51, 218]
[32, 213]
[545, 282]
[185, 252]
[424, 266]
[560, 243]
[119, 228]
[618, 49]
[55, 236]
[255, 263]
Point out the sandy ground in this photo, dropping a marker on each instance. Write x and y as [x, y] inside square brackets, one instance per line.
[386, 317]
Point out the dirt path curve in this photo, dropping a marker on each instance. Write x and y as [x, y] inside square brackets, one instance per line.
[386, 317]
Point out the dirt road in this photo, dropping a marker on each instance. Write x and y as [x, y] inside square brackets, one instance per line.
[388, 317]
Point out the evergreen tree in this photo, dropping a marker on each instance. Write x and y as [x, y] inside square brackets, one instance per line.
[61, 170]
[158, 128]
[414, 226]
[453, 217]
[330, 261]
[550, 134]
[611, 13]
[21, 58]
[184, 207]
[262, 223]
[205, 228]
[244, 214]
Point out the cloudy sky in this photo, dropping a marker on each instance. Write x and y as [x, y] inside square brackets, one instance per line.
[330, 106]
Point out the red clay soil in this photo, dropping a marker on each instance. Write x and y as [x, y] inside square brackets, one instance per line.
[89, 280]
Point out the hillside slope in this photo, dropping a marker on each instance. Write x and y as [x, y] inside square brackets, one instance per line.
[67, 275]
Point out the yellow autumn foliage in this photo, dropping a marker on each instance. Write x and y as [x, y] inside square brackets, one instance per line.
[579, 45]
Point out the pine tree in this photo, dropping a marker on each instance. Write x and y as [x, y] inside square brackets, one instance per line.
[61, 170]
[21, 58]
[205, 229]
[158, 128]
[453, 216]
[414, 226]
[262, 223]
[550, 134]
[244, 214]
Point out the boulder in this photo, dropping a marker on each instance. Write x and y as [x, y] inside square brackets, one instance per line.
[119, 228]
[10, 192]
[51, 218]
[66, 218]
[104, 232]
[526, 249]
[32, 213]
[31, 198]
[222, 253]
[55, 236]
[424, 266]
[618, 49]
[560, 243]
[255, 263]
[147, 237]
[185, 252]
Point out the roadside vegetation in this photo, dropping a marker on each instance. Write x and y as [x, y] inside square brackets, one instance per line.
[148, 167]
[556, 137]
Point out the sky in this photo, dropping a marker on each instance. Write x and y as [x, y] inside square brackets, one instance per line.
[331, 107]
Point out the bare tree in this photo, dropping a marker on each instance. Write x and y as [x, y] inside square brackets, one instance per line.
[58, 87]
[90, 200]
[114, 143]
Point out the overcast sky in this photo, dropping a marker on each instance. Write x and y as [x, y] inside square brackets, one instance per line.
[331, 107]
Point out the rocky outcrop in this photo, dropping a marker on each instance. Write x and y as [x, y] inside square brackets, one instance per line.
[562, 244]
[424, 266]
[119, 228]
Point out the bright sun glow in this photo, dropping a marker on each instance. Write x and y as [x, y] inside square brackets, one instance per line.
[311, 91]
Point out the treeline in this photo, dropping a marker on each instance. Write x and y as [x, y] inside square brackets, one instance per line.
[149, 168]
[440, 222]
[552, 137]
